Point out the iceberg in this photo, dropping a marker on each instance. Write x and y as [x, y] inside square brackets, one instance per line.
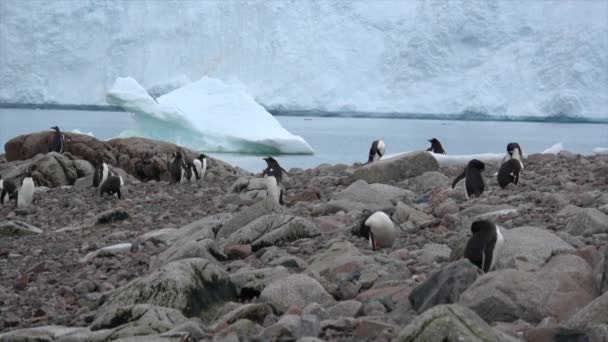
[207, 115]
[555, 149]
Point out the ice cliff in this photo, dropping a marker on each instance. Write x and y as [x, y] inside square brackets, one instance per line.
[497, 57]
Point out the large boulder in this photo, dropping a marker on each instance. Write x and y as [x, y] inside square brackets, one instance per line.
[444, 286]
[429, 181]
[296, 289]
[361, 195]
[191, 286]
[595, 313]
[50, 170]
[270, 230]
[17, 228]
[588, 221]
[245, 216]
[189, 248]
[529, 248]
[398, 168]
[250, 283]
[561, 287]
[450, 323]
[45, 333]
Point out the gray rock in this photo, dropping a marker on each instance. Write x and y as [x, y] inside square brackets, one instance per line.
[361, 195]
[595, 312]
[296, 289]
[429, 181]
[192, 328]
[444, 286]
[404, 166]
[17, 228]
[569, 210]
[309, 326]
[347, 308]
[450, 323]
[255, 312]
[404, 213]
[204, 228]
[44, 333]
[83, 168]
[564, 285]
[486, 210]
[192, 286]
[588, 221]
[571, 240]
[189, 248]
[434, 252]
[334, 256]
[272, 229]
[315, 309]
[133, 320]
[247, 215]
[449, 206]
[250, 283]
[529, 248]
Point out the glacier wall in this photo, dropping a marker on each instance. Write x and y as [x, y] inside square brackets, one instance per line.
[521, 58]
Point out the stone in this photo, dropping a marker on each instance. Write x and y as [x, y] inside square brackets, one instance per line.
[480, 211]
[528, 248]
[347, 308]
[449, 322]
[255, 312]
[448, 207]
[270, 230]
[107, 251]
[361, 195]
[191, 248]
[17, 228]
[338, 258]
[296, 289]
[204, 228]
[588, 221]
[398, 168]
[237, 251]
[444, 286]
[247, 215]
[309, 326]
[429, 181]
[192, 286]
[405, 213]
[44, 333]
[368, 329]
[596, 312]
[561, 287]
[434, 252]
[569, 210]
[250, 283]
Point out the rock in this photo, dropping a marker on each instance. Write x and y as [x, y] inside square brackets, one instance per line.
[309, 326]
[296, 289]
[596, 312]
[404, 213]
[429, 181]
[528, 248]
[480, 211]
[111, 216]
[588, 221]
[204, 228]
[237, 251]
[561, 287]
[206, 249]
[192, 286]
[449, 323]
[434, 252]
[445, 208]
[270, 230]
[339, 258]
[569, 210]
[44, 333]
[248, 215]
[255, 312]
[368, 329]
[107, 251]
[361, 195]
[285, 329]
[250, 283]
[444, 286]
[404, 166]
[192, 328]
[17, 228]
[347, 308]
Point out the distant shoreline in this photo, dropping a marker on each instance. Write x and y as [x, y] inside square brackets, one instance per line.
[469, 116]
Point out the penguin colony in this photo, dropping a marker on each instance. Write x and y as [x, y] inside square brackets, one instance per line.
[482, 249]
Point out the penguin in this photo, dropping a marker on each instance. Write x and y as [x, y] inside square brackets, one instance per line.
[509, 173]
[57, 141]
[473, 178]
[274, 169]
[436, 147]
[8, 189]
[484, 247]
[376, 151]
[103, 172]
[198, 167]
[274, 189]
[26, 191]
[112, 186]
[378, 228]
[514, 152]
[179, 171]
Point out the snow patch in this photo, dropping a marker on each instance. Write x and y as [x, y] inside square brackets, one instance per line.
[555, 149]
[77, 131]
[206, 115]
[600, 150]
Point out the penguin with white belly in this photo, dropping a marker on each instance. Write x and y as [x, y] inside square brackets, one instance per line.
[26, 191]
[57, 143]
[484, 247]
[198, 167]
[474, 185]
[376, 151]
[378, 228]
[514, 152]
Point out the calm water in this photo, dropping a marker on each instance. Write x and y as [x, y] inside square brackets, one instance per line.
[342, 140]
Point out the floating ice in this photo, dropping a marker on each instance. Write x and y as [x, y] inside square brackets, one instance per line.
[555, 149]
[77, 131]
[206, 115]
[600, 150]
[457, 159]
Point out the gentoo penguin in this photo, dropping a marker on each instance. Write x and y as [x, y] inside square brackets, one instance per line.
[483, 248]
[26, 191]
[198, 167]
[8, 189]
[274, 169]
[376, 151]
[179, 170]
[274, 189]
[112, 186]
[514, 152]
[509, 173]
[379, 229]
[473, 178]
[57, 141]
[436, 147]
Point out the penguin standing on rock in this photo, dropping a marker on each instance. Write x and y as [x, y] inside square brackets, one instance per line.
[484, 247]
[509, 173]
[57, 141]
[9, 189]
[376, 151]
[26, 191]
[436, 147]
[474, 184]
[274, 175]
[180, 173]
[514, 152]
[112, 186]
[378, 227]
[197, 167]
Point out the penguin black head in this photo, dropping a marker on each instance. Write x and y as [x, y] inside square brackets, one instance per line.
[433, 141]
[270, 160]
[55, 128]
[28, 173]
[511, 148]
[482, 225]
[202, 156]
[478, 164]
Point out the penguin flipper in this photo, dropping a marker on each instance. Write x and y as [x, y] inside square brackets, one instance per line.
[488, 252]
[430, 149]
[460, 177]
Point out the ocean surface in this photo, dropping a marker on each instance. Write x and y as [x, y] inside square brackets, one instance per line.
[341, 139]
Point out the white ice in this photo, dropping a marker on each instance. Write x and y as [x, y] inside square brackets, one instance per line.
[206, 115]
[77, 131]
[600, 150]
[555, 149]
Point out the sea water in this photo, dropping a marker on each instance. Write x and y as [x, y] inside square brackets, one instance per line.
[341, 139]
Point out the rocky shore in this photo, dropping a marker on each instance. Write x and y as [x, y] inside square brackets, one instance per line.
[218, 261]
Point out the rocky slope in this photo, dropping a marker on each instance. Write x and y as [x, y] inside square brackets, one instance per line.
[218, 261]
